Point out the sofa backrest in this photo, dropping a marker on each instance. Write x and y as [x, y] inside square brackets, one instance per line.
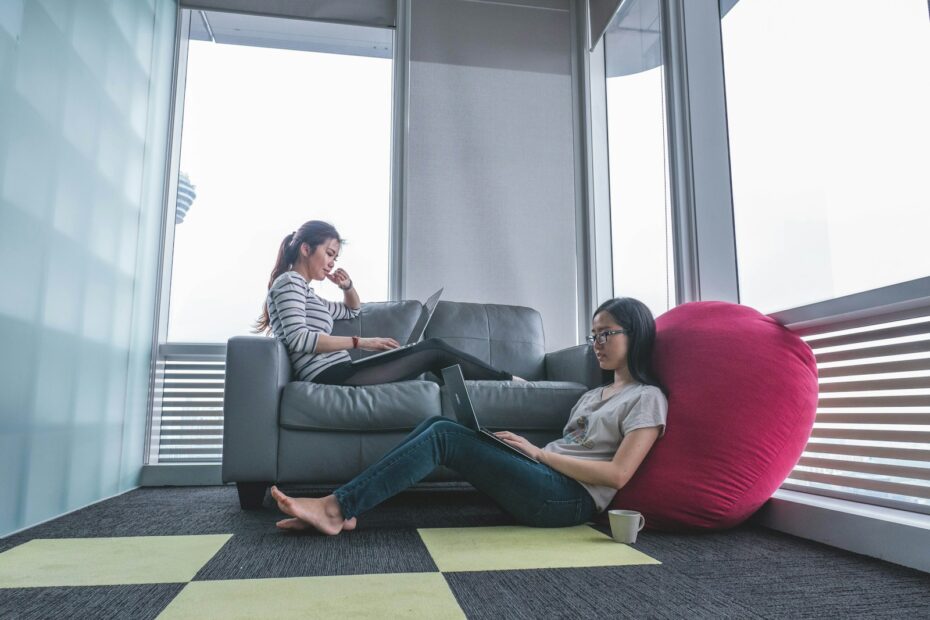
[384, 319]
[509, 338]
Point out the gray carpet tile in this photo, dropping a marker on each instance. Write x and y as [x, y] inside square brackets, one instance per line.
[139, 602]
[155, 512]
[782, 576]
[215, 510]
[790, 587]
[278, 554]
[578, 593]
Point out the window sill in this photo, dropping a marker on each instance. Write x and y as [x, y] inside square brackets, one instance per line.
[181, 475]
[885, 533]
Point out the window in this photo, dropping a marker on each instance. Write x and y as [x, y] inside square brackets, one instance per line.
[829, 140]
[829, 145]
[284, 121]
[643, 264]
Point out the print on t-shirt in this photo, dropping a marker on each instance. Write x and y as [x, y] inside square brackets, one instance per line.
[578, 435]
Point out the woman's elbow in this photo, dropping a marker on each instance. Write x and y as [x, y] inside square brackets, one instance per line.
[619, 479]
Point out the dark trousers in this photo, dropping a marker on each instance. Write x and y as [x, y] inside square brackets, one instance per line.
[427, 356]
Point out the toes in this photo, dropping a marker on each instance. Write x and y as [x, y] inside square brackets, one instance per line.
[291, 524]
[284, 502]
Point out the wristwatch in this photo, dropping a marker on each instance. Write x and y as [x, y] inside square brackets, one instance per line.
[355, 342]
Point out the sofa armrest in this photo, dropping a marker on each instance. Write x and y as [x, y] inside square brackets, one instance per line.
[257, 369]
[577, 364]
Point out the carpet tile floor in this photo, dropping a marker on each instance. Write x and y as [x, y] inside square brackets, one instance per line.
[191, 553]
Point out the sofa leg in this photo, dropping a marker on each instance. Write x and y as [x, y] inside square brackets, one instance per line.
[251, 494]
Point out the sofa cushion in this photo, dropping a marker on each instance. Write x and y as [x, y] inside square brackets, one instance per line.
[532, 406]
[509, 338]
[387, 407]
[382, 319]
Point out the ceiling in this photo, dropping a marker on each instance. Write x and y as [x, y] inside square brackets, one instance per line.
[292, 34]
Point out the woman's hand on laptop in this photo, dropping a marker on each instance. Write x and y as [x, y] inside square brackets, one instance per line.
[377, 344]
[520, 443]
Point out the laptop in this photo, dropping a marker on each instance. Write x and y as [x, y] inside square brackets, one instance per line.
[415, 335]
[465, 411]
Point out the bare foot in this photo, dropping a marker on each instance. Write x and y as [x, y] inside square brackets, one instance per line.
[296, 524]
[324, 514]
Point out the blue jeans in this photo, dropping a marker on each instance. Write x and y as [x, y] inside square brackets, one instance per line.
[535, 494]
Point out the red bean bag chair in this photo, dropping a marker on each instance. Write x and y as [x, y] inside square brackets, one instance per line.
[742, 393]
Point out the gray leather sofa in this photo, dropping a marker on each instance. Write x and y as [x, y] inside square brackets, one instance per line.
[281, 431]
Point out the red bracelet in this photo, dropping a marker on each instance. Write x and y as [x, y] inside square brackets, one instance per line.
[354, 342]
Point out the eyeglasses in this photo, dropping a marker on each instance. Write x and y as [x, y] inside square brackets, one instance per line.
[601, 338]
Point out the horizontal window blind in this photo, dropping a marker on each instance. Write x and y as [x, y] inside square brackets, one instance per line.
[187, 419]
[871, 437]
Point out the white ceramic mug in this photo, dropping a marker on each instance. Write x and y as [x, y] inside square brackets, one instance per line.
[625, 525]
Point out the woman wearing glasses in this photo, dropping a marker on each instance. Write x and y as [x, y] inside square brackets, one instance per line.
[609, 433]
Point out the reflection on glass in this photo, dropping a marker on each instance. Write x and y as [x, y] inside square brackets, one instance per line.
[639, 206]
[829, 146]
[273, 138]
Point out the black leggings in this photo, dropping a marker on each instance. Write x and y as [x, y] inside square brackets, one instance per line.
[427, 356]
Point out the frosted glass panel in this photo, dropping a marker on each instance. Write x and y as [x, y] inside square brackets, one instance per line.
[85, 91]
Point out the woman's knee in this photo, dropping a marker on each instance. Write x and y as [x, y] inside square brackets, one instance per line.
[439, 424]
[437, 344]
[431, 421]
[444, 430]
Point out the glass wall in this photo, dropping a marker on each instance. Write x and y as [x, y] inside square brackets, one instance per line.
[830, 146]
[641, 235]
[284, 121]
[84, 101]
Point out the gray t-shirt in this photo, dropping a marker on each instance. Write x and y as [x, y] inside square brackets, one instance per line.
[597, 426]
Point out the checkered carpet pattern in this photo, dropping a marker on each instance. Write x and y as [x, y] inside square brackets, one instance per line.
[191, 553]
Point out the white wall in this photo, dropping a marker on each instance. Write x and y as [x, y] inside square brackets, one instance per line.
[490, 211]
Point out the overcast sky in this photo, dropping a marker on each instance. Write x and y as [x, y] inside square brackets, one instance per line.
[271, 139]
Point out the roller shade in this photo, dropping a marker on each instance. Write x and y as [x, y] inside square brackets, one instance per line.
[187, 417]
[871, 437]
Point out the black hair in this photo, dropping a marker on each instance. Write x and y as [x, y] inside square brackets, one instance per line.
[314, 233]
[636, 320]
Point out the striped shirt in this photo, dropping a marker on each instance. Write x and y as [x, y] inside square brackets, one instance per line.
[298, 317]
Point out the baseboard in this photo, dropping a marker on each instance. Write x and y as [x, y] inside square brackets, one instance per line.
[186, 475]
[885, 533]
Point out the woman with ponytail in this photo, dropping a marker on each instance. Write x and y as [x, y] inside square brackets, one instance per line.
[303, 321]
